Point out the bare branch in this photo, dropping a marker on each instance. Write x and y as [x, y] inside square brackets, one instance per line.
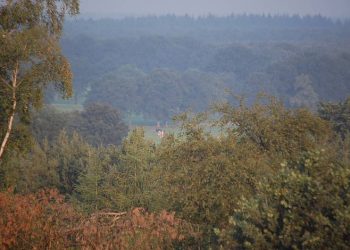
[112, 214]
[5, 83]
[20, 82]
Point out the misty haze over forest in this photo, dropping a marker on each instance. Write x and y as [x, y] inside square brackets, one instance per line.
[159, 66]
[118, 8]
[166, 124]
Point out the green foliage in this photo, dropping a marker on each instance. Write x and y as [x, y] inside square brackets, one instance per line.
[119, 179]
[275, 130]
[94, 189]
[269, 177]
[338, 114]
[305, 95]
[30, 172]
[305, 206]
[97, 124]
[71, 154]
[160, 94]
[57, 163]
[298, 73]
[48, 123]
[183, 62]
[30, 58]
[198, 170]
[208, 175]
[135, 171]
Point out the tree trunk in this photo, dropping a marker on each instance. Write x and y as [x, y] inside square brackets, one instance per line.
[12, 114]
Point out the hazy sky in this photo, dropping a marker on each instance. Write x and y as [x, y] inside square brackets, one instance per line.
[332, 8]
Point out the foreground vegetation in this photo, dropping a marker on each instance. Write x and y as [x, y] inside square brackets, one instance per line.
[272, 178]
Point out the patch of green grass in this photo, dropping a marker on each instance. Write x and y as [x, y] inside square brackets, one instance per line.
[151, 134]
[139, 119]
[67, 107]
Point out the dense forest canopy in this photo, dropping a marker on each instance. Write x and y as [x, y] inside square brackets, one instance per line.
[303, 60]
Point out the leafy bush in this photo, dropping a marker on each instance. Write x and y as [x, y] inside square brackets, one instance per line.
[305, 206]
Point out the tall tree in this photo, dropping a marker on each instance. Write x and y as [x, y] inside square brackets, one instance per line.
[305, 95]
[30, 57]
[100, 124]
[338, 114]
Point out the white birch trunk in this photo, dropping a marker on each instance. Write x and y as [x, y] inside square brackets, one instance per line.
[13, 111]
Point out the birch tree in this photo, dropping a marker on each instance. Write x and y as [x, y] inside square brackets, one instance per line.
[30, 57]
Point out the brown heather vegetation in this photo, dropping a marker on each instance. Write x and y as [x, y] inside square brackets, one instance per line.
[35, 221]
[44, 221]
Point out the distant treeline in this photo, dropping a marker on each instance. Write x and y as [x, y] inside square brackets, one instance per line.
[175, 25]
[159, 66]
[160, 94]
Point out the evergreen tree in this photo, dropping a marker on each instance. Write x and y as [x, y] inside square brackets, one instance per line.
[89, 190]
[135, 167]
[71, 154]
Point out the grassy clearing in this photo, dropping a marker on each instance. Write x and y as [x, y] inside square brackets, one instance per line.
[137, 121]
[151, 134]
[68, 107]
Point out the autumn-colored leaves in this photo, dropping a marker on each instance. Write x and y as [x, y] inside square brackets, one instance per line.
[45, 221]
